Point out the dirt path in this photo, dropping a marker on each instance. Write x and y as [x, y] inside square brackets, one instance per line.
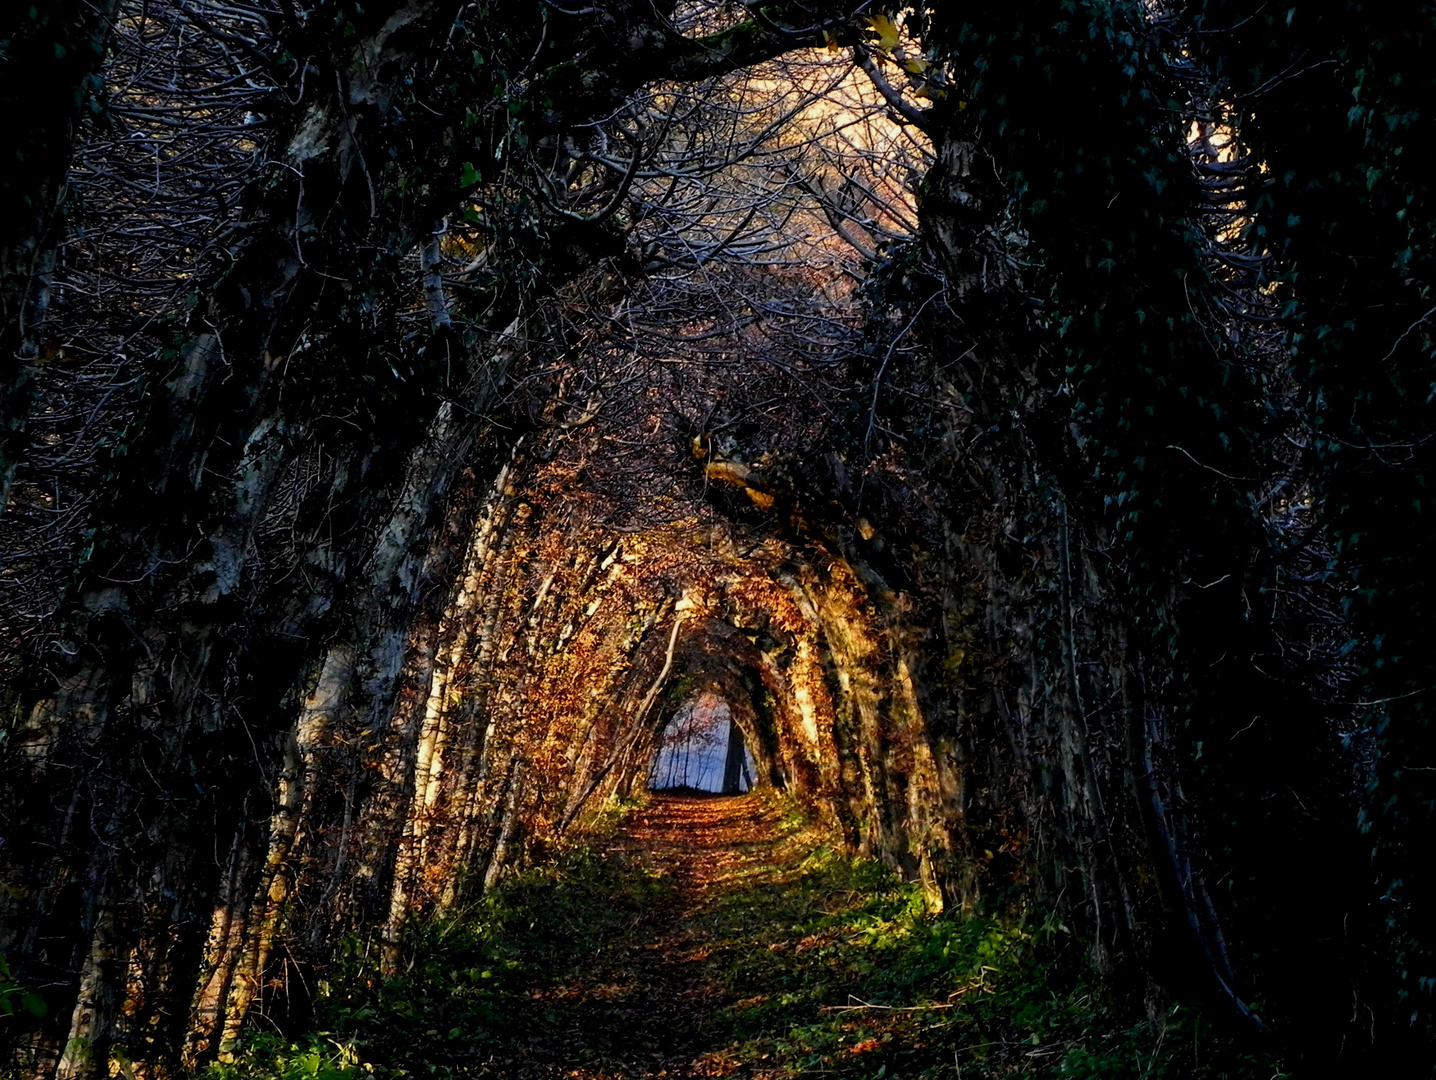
[645, 1006]
[706, 844]
[710, 937]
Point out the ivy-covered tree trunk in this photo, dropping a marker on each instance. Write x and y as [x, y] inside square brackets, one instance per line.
[1072, 453]
[1333, 102]
[1157, 508]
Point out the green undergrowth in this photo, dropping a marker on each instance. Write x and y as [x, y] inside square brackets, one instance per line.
[840, 970]
[825, 966]
[453, 1006]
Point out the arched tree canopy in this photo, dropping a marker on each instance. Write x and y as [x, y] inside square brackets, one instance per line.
[1017, 414]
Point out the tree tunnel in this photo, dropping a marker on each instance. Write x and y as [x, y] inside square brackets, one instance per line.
[610, 635]
[476, 391]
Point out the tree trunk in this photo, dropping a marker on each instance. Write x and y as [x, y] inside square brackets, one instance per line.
[734, 765]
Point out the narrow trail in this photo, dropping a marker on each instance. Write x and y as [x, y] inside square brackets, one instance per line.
[706, 843]
[645, 1007]
[733, 937]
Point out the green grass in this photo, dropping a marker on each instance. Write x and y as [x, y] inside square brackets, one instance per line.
[459, 995]
[841, 971]
[829, 966]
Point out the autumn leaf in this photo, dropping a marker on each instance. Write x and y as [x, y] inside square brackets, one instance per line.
[886, 30]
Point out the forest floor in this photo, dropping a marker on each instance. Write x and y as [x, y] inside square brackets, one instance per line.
[726, 937]
[647, 1006]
